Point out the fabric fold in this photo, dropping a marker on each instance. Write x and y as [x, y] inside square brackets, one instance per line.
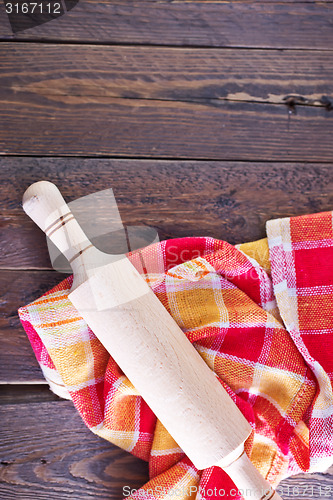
[301, 250]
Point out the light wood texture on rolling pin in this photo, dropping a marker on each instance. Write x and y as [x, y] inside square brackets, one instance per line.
[144, 339]
[249, 481]
[163, 366]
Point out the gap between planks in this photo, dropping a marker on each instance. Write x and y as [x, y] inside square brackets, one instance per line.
[102, 44]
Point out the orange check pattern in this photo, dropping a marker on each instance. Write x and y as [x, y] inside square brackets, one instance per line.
[260, 316]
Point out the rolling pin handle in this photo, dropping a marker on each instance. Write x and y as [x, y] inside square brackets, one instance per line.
[44, 204]
[249, 481]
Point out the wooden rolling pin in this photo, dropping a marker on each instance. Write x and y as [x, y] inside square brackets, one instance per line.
[150, 348]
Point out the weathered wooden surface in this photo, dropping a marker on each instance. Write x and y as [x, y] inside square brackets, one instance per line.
[50, 457]
[285, 24]
[192, 94]
[163, 73]
[209, 129]
[53, 455]
[24, 394]
[225, 200]
[165, 102]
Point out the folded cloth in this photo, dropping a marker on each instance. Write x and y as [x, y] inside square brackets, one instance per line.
[260, 316]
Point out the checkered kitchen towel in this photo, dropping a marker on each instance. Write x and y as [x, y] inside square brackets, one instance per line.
[260, 315]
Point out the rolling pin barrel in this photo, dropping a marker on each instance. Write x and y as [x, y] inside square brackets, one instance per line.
[152, 350]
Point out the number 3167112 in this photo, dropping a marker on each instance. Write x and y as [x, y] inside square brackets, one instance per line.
[32, 7]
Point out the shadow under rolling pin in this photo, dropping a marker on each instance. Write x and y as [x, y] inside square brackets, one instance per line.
[150, 348]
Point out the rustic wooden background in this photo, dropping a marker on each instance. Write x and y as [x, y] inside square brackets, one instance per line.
[205, 117]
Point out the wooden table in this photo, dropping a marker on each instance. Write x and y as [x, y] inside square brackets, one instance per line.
[184, 109]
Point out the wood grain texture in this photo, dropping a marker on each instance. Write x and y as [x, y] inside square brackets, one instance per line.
[173, 105]
[15, 394]
[164, 73]
[210, 129]
[47, 452]
[225, 200]
[70, 99]
[189, 23]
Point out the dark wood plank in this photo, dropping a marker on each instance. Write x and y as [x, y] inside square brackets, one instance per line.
[226, 200]
[208, 129]
[174, 106]
[17, 360]
[44, 457]
[13, 394]
[47, 452]
[162, 73]
[189, 23]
